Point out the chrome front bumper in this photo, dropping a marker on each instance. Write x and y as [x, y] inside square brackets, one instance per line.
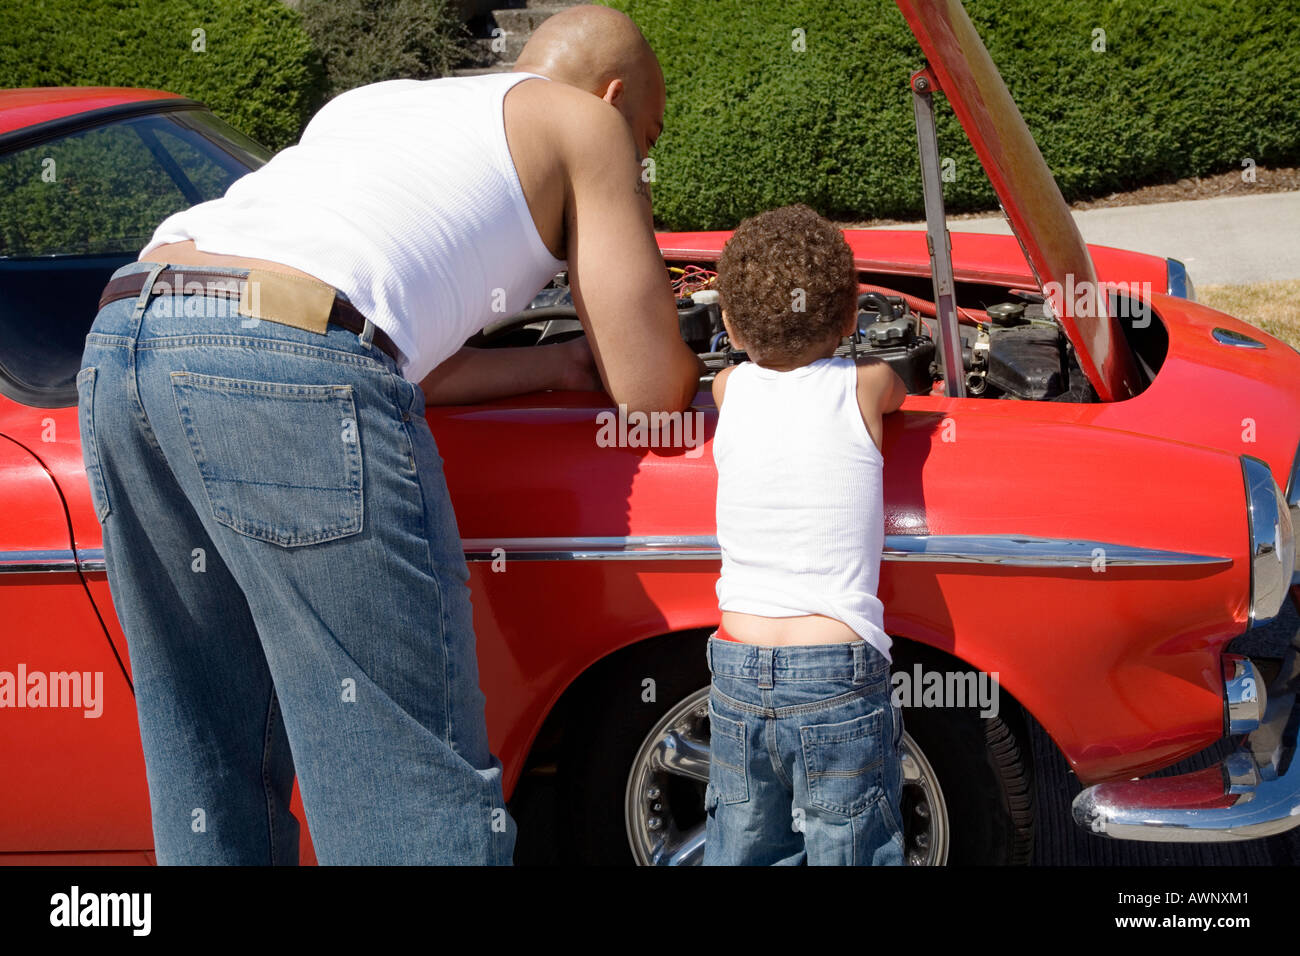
[1252, 793]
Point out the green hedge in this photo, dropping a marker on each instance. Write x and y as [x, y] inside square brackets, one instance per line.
[366, 41]
[1184, 87]
[259, 70]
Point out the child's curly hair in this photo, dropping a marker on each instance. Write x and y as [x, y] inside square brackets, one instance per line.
[776, 262]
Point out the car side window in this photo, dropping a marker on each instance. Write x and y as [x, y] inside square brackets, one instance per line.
[100, 191]
[75, 207]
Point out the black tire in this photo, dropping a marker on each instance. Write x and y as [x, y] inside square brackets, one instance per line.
[606, 727]
[983, 765]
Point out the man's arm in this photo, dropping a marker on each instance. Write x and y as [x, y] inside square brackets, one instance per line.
[478, 375]
[617, 275]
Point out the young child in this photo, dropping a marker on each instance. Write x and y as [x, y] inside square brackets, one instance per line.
[805, 763]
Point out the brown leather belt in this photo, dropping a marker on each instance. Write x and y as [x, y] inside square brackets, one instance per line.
[342, 313]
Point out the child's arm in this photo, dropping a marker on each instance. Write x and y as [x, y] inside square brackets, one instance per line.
[720, 385]
[880, 391]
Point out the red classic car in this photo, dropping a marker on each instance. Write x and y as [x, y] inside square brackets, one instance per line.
[1090, 505]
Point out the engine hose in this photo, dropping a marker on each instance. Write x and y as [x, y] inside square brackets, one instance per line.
[921, 306]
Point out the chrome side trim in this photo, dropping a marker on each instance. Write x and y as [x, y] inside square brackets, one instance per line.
[1010, 549]
[1179, 283]
[91, 559]
[1238, 339]
[27, 562]
[634, 548]
[1027, 551]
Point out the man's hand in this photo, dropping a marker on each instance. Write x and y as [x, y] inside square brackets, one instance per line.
[577, 372]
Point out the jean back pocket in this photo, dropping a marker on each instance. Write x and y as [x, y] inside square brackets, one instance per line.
[728, 758]
[279, 462]
[89, 445]
[845, 761]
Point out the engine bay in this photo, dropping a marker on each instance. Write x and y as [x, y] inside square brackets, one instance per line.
[1011, 346]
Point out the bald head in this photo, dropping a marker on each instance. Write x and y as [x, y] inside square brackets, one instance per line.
[587, 47]
[601, 51]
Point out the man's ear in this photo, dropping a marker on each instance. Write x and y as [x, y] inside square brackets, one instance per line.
[614, 92]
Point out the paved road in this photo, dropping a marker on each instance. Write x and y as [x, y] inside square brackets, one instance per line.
[1224, 241]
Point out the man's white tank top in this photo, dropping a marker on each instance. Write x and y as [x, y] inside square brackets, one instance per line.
[800, 497]
[402, 195]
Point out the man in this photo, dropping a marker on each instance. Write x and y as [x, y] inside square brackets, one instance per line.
[281, 549]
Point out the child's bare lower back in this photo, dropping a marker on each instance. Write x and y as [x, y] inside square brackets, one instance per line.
[786, 631]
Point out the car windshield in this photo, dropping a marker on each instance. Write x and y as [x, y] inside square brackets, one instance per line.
[75, 207]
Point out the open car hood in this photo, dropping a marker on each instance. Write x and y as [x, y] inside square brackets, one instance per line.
[1030, 198]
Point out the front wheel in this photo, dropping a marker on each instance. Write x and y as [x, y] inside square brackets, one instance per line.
[634, 777]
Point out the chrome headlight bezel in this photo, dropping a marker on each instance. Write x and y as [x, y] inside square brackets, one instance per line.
[1271, 541]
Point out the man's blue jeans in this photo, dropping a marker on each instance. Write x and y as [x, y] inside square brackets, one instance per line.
[804, 763]
[284, 560]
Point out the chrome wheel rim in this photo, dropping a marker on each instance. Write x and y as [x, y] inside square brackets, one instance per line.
[926, 826]
[664, 800]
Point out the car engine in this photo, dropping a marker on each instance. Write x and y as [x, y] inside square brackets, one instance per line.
[1012, 349]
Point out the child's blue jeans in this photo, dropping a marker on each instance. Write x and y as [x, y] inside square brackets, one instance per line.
[805, 757]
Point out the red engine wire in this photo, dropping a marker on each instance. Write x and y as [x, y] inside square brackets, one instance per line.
[922, 306]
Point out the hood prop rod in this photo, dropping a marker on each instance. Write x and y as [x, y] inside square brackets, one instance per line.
[937, 239]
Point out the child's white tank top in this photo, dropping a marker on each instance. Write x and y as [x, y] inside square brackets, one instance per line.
[800, 506]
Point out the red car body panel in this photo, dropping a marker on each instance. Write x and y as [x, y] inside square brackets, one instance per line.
[977, 257]
[20, 109]
[50, 626]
